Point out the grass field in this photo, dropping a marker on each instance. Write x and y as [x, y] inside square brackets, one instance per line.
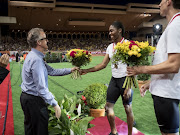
[142, 107]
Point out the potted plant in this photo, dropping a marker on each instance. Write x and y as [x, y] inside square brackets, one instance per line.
[96, 99]
[73, 120]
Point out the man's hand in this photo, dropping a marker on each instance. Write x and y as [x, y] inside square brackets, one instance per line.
[83, 71]
[131, 71]
[74, 68]
[144, 88]
[57, 111]
[127, 94]
[4, 60]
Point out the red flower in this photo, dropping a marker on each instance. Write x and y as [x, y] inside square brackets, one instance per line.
[86, 52]
[68, 116]
[72, 54]
[131, 44]
[132, 41]
[85, 102]
[83, 98]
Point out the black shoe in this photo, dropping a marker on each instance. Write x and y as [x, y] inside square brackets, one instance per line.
[134, 123]
[113, 134]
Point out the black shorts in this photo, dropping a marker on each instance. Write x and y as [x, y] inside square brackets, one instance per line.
[167, 114]
[115, 90]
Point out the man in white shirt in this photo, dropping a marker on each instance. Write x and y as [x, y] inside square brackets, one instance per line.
[165, 79]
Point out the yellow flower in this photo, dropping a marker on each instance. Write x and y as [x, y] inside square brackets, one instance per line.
[134, 47]
[117, 47]
[143, 44]
[130, 53]
[68, 53]
[135, 53]
[138, 49]
[152, 49]
[118, 44]
[138, 55]
[126, 43]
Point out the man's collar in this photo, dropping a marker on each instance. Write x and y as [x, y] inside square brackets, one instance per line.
[38, 52]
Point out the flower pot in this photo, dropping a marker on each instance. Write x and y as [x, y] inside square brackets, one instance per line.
[140, 83]
[97, 112]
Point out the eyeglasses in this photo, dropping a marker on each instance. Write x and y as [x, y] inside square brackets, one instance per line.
[44, 39]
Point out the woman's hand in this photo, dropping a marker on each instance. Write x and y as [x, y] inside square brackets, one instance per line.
[83, 71]
[74, 68]
[127, 94]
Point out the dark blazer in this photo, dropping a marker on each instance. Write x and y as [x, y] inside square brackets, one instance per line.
[3, 73]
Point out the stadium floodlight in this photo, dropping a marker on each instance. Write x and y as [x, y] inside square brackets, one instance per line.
[157, 29]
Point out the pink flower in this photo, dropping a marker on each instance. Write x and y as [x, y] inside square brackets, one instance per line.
[83, 98]
[131, 44]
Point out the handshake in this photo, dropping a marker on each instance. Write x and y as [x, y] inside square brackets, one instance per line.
[4, 60]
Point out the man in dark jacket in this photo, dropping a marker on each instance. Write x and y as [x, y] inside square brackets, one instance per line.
[4, 60]
[17, 57]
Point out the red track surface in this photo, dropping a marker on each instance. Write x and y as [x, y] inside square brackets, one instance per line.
[102, 127]
[9, 130]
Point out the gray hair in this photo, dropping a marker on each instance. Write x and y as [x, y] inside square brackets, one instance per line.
[34, 36]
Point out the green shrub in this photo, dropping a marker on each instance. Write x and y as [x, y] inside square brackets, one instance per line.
[59, 55]
[54, 57]
[96, 95]
[47, 57]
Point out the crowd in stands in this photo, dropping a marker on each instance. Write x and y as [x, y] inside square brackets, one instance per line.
[10, 44]
[14, 44]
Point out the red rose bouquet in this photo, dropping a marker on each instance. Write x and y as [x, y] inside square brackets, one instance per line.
[78, 58]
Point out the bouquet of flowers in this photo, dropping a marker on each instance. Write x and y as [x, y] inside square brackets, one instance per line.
[78, 58]
[132, 53]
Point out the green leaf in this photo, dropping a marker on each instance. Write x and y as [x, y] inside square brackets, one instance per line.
[73, 105]
[83, 123]
[51, 109]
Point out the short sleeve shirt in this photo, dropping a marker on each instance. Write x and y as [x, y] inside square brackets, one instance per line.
[167, 85]
[121, 70]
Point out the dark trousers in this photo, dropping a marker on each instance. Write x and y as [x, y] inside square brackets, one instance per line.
[35, 114]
